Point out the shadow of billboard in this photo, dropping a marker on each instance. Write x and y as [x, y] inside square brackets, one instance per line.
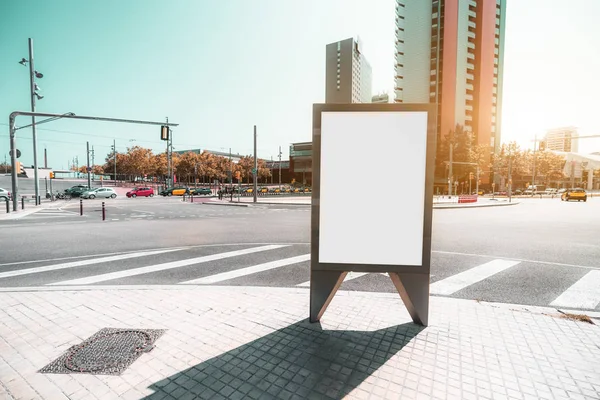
[299, 361]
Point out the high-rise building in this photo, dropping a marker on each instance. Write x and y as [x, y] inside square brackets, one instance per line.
[347, 73]
[561, 139]
[451, 52]
[380, 98]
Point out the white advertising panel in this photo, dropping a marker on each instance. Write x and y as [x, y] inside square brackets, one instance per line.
[373, 170]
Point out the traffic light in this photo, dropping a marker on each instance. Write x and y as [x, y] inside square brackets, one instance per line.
[51, 175]
[20, 169]
[542, 145]
[164, 132]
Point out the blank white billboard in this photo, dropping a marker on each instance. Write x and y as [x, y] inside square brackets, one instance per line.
[372, 189]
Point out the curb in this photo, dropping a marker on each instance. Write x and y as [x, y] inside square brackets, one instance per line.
[439, 206]
[226, 204]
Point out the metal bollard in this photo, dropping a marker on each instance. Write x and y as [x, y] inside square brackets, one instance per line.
[7, 206]
[103, 212]
[22, 202]
[80, 206]
[192, 198]
[39, 200]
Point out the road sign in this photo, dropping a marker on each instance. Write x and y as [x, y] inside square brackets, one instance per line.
[254, 170]
[88, 169]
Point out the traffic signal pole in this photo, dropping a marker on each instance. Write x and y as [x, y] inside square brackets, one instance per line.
[255, 168]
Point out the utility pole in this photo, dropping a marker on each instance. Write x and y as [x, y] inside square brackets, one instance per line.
[115, 159]
[510, 179]
[534, 160]
[450, 176]
[255, 168]
[230, 171]
[45, 158]
[32, 94]
[89, 177]
[573, 174]
[279, 168]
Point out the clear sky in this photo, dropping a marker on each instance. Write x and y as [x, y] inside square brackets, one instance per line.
[219, 67]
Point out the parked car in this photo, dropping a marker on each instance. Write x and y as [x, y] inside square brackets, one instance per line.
[76, 188]
[4, 194]
[201, 191]
[99, 192]
[141, 191]
[175, 191]
[574, 194]
[77, 191]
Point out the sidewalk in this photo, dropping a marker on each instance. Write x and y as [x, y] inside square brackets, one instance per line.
[30, 208]
[251, 342]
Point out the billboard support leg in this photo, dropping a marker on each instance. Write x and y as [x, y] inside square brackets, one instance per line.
[323, 285]
[414, 291]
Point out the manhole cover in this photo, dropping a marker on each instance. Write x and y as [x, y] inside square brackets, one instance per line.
[108, 352]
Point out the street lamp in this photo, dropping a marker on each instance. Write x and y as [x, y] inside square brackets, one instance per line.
[34, 94]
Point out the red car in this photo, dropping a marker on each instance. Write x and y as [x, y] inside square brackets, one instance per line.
[142, 191]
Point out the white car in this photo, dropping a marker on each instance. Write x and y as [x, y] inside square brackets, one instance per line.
[99, 192]
[4, 195]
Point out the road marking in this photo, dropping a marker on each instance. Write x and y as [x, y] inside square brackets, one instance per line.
[81, 263]
[460, 281]
[350, 276]
[515, 259]
[115, 219]
[164, 266]
[247, 271]
[585, 293]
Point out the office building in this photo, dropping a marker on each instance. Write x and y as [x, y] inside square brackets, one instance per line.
[562, 139]
[347, 73]
[451, 52]
[380, 98]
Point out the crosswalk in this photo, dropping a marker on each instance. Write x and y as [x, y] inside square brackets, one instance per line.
[288, 265]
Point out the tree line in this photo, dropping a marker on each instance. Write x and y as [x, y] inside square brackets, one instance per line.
[548, 165]
[140, 162]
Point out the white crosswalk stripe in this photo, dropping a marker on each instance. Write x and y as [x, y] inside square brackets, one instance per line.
[585, 293]
[350, 276]
[248, 271]
[164, 266]
[469, 277]
[82, 263]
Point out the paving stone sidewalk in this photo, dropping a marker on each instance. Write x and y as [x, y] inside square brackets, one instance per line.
[243, 342]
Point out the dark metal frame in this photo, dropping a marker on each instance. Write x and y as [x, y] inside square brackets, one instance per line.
[411, 281]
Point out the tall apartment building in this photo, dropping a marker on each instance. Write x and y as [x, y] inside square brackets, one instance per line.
[561, 139]
[380, 98]
[347, 73]
[451, 52]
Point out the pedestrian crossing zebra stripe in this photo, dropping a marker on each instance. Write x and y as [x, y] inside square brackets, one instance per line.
[585, 293]
[469, 277]
[237, 273]
[82, 263]
[164, 266]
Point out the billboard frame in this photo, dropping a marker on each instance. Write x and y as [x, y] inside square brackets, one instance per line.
[411, 281]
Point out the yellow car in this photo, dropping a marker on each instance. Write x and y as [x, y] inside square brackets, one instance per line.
[574, 194]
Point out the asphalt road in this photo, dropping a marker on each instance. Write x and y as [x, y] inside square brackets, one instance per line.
[540, 252]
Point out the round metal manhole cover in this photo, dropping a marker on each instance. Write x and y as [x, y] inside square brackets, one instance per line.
[110, 350]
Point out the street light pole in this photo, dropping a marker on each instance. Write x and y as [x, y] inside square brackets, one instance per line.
[34, 136]
[279, 168]
[115, 159]
[534, 162]
[255, 168]
[87, 167]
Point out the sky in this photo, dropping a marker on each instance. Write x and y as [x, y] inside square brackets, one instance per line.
[217, 68]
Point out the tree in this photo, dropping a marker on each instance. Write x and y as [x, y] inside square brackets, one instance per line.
[246, 165]
[510, 154]
[138, 160]
[187, 165]
[462, 142]
[83, 169]
[549, 165]
[263, 171]
[97, 170]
